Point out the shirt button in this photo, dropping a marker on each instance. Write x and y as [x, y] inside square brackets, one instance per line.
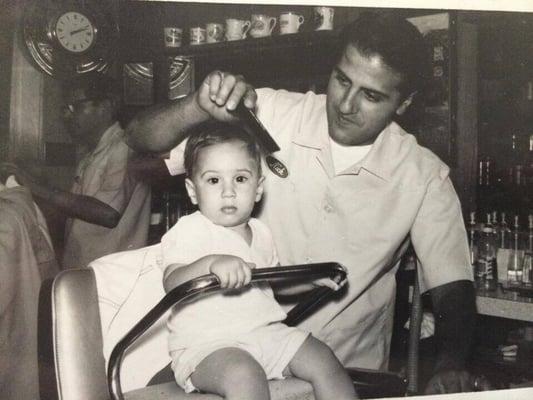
[328, 208]
[308, 260]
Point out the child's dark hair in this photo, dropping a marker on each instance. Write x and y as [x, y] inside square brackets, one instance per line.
[215, 133]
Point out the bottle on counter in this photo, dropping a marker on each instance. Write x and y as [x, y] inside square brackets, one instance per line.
[492, 224]
[504, 233]
[514, 265]
[486, 266]
[472, 238]
[529, 239]
[503, 251]
[527, 267]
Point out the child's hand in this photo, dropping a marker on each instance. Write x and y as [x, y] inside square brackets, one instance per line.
[231, 271]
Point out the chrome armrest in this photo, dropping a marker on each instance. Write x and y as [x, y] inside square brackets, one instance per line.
[209, 283]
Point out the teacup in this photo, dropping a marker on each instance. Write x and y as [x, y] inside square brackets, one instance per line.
[262, 25]
[324, 18]
[173, 36]
[197, 35]
[236, 29]
[289, 22]
[215, 32]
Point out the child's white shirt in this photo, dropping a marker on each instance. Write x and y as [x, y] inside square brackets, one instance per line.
[229, 313]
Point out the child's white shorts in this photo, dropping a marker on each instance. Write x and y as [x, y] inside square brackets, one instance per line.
[272, 346]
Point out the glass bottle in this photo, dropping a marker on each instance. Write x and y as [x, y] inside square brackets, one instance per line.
[514, 266]
[503, 233]
[503, 251]
[527, 267]
[494, 221]
[486, 268]
[472, 237]
[528, 161]
[491, 224]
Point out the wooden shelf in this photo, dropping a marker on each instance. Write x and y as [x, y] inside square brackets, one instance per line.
[294, 56]
[291, 42]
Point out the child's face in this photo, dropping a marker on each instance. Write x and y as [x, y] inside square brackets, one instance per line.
[225, 184]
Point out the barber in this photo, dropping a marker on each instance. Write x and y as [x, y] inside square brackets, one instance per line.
[350, 185]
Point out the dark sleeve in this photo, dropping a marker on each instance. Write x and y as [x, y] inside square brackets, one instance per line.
[454, 307]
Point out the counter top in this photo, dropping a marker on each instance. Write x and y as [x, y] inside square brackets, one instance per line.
[504, 303]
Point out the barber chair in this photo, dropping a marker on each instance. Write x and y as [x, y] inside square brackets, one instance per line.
[72, 365]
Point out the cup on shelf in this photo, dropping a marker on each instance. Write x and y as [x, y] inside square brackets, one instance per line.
[324, 18]
[214, 32]
[173, 36]
[197, 35]
[236, 29]
[289, 22]
[262, 25]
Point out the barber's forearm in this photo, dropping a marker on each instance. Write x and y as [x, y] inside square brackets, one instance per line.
[454, 307]
[162, 127]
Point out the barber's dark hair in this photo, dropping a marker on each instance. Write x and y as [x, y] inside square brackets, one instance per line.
[396, 41]
[214, 133]
[98, 87]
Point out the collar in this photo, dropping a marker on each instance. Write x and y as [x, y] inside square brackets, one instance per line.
[108, 137]
[318, 137]
[385, 149]
[378, 161]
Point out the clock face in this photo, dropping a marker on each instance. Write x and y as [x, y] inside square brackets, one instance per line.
[75, 32]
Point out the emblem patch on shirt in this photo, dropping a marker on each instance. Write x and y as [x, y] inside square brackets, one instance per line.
[277, 167]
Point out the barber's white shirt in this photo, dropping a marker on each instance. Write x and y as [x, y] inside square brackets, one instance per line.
[359, 218]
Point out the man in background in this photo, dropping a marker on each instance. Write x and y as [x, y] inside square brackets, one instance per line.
[108, 207]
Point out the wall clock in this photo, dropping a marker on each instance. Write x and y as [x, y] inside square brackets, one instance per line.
[69, 37]
[74, 31]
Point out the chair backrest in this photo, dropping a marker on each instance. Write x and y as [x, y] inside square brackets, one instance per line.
[71, 362]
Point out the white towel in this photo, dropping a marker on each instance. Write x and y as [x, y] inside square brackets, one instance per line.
[129, 284]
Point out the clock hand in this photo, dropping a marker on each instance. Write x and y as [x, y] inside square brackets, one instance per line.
[79, 30]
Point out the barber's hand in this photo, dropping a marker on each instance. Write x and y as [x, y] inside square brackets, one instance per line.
[221, 92]
[456, 381]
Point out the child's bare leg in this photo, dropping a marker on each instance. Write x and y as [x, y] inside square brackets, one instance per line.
[233, 374]
[315, 362]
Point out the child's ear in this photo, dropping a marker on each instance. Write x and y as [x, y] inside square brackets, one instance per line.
[260, 189]
[191, 191]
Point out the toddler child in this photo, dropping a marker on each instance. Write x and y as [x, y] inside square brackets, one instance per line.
[231, 343]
